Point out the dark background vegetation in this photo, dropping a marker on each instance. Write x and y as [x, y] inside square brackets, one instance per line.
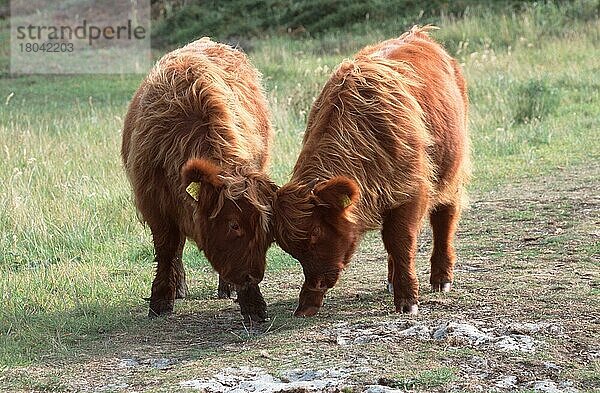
[180, 21]
[238, 22]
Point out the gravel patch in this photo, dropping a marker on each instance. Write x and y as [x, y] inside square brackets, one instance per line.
[254, 379]
[512, 338]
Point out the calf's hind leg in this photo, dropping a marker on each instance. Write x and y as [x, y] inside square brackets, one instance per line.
[400, 231]
[444, 220]
[170, 278]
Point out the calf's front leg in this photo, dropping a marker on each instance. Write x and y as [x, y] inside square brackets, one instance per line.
[400, 231]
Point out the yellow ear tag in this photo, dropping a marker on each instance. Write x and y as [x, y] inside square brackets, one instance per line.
[346, 201]
[194, 190]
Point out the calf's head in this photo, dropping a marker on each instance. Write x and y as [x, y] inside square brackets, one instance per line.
[232, 212]
[314, 223]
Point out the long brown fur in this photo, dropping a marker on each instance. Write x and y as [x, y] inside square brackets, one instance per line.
[393, 120]
[201, 107]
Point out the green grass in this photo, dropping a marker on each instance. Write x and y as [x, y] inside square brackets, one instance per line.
[429, 379]
[75, 263]
[591, 372]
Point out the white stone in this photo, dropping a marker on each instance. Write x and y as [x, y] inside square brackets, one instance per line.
[125, 363]
[160, 364]
[341, 340]
[380, 389]
[421, 332]
[461, 331]
[548, 386]
[515, 342]
[244, 379]
[509, 382]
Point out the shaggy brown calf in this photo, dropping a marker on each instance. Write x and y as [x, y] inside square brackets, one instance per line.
[386, 143]
[195, 147]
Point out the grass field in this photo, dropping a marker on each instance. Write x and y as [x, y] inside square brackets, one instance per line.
[75, 264]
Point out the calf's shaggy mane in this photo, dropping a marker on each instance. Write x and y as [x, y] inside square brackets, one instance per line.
[367, 124]
[197, 104]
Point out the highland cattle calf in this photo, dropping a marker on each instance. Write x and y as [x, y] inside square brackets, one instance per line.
[386, 144]
[195, 146]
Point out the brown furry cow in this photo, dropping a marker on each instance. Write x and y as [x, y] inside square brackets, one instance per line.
[195, 147]
[386, 143]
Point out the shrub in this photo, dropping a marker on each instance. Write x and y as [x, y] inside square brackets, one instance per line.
[182, 21]
[534, 100]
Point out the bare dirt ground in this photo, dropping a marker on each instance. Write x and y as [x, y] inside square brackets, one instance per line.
[524, 315]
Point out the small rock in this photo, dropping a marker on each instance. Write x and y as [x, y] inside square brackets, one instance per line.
[161, 364]
[363, 339]
[461, 331]
[509, 382]
[380, 389]
[337, 373]
[567, 387]
[548, 386]
[441, 332]
[126, 363]
[301, 375]
[421, 332]
[552, 366]
[515, 342]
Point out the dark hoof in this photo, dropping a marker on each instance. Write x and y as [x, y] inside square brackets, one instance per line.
[306, 311]
[252, 304]
[441, 287]
[407, 307]
[222, 294]
[256, 318]
[160, 308]
[224, 291]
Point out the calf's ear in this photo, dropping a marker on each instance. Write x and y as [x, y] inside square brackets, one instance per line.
[198, 173]
[339, 193]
